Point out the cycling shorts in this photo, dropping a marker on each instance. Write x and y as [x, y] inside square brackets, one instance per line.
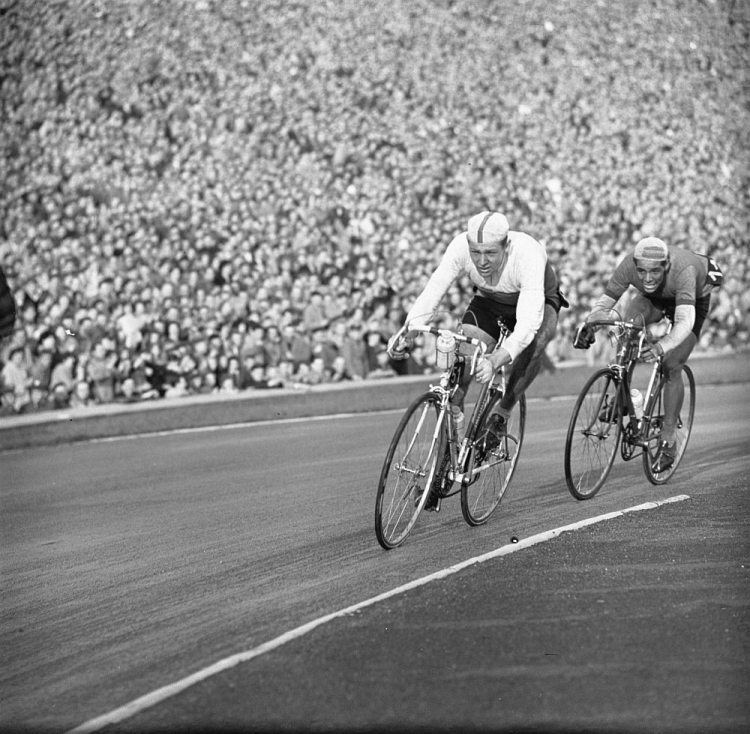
[485, 313]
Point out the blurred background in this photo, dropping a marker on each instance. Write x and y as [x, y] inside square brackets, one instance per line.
[201, 197]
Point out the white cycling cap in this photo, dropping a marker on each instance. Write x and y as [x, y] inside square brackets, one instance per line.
[651, 248]
[488, 227]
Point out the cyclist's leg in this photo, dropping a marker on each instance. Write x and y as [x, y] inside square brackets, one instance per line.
[526, 366]
[476, 333]
[478, 323]
[674, 389]
[639, 305]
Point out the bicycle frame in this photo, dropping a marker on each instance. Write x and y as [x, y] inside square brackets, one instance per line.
[597, 428]
[427, 454]
[628, 352]
[446, 388]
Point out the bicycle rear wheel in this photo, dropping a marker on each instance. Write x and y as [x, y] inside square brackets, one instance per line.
[492, 469]
[594, 434]
[408, 471]
[655, 414]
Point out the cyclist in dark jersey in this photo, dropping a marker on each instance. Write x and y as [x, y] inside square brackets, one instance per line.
[674, 283]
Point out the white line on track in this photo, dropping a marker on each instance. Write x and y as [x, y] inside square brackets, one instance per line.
[234, 426]
[161, 694]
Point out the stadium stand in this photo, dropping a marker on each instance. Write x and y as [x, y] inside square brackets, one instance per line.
[210, 197]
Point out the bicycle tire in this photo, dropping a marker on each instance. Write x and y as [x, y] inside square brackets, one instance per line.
[590, 445]
[482, 492]
[408, 471]
[655, 414]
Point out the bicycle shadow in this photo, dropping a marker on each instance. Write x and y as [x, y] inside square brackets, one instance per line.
[728, 449]
[694, 460]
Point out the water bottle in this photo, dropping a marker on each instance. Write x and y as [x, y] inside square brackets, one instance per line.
[458, 420]
[637, 398]
[446, 352]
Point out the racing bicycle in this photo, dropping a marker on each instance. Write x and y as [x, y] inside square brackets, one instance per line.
[606, 417]
[428, 460]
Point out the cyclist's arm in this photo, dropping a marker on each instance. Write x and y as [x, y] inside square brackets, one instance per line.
[585, 336]
[618, 283]
[684, 312]
[525, 270]
[529, 315]
[602, 308]
[684, 319]
[449, 269]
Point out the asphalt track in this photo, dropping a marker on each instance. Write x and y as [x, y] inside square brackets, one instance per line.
[196, 580]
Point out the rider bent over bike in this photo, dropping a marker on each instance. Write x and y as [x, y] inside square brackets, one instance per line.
[514, 282]
[674, 283]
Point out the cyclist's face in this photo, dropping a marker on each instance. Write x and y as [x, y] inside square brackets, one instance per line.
[650, 275]
[488, 257]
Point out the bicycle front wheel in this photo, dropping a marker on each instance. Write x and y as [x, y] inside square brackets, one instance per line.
[594, 434]
[491, 468]
[655, 419]
[408, 471]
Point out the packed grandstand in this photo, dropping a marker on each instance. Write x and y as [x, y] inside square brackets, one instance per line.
[216, 196]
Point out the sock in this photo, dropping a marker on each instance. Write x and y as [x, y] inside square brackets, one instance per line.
[504, 413]
[668, 433]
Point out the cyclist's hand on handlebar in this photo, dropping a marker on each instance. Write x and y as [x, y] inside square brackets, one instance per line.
[585, 336]
[399, 346]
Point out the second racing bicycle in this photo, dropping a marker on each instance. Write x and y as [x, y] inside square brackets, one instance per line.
[610, 413]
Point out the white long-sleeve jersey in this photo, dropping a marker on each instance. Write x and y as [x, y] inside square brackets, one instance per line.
[521, 283]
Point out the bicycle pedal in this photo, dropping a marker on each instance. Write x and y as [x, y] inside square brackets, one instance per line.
[432, 505]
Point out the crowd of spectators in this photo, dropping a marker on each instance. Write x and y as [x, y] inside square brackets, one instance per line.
[202, 196]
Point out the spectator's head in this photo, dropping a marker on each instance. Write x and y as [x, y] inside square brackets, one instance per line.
[45, 357]
[195, 382]
[37, 393]
[47, 341]
[374, 338]
[173, 331]
[16, 356]
[318, 365]
[383, 359]
[59, 396]
[82, 390]
[127, 387]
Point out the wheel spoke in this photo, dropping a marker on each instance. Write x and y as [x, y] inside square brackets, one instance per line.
[492, 470]
[408, 468]
[593, 436]
[655, 416]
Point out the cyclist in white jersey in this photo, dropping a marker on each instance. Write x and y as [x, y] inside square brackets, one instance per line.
[513, 282]
[670, 282]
